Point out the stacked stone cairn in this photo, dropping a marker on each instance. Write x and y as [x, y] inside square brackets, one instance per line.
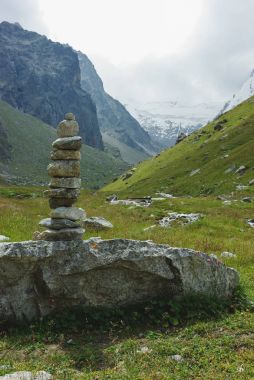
[64, 222]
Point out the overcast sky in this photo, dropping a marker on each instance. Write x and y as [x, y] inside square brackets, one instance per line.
[152, 50]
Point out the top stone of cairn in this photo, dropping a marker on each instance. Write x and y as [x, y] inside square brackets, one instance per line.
[68, 127]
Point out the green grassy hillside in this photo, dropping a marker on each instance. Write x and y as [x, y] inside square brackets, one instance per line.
[214, 154]
[29, 144]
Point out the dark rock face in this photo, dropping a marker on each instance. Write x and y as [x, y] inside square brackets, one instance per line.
[42, 78]
[5, 146]
[112, 115]
[39, 277]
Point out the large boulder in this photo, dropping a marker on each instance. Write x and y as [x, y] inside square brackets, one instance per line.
[39, 277]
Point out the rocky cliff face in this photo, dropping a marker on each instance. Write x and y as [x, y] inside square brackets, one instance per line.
[113, 117]
[42, 78]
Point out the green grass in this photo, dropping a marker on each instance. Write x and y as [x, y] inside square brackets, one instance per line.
[205, 149]
[31, 141]
[213, 343]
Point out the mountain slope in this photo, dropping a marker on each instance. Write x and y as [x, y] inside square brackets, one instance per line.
[25, 145]
[164, 121]
[245, 92]
[116, 123]
[204, 163]
[42, 78]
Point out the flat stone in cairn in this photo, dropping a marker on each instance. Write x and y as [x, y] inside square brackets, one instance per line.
[61, 202]
[58, 224]
[61, 154]
[62, 193]
[64, 168]
[68, 127]
[72, 213]
[68, 183]
[64, 187]
[64, 234]
[69, 143]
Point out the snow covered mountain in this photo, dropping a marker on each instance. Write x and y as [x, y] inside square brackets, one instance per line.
[164, 121]
[244, 93]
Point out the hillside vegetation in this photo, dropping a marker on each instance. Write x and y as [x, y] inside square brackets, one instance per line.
[27, 142]
[204, 163]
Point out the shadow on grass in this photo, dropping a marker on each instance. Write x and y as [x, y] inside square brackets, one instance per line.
[82, 334]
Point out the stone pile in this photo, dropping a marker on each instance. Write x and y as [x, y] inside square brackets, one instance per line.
[64, 221]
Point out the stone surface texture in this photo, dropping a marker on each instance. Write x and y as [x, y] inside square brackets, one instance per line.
[25, 375]
[69, 143]
[72, 213]
[68, 183]
[39, 277]
[97, 223]
[65, 154]
[64, 168]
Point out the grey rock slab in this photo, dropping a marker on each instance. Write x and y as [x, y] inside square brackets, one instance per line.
[72, 213]
[241, 170]
[67, 128]
[68, 183]
[64, 168]
[39, 277]
[97, 223]
[58, 224]
[250, 222]
[61, 154]
[25, 375]
[64, 234]
[194, 172]
[251, 182]
[70, 143]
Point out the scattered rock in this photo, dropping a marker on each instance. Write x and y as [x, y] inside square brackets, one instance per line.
[164, 195]
[177, 358]
[172, 217]
[230, 169]
[111, 198]
[196, 171]
[132, 202]
[241, 187]
[247, 199]
[241, 170]
[25, 375]
[4, 238]
[251, 183]
[38, 277]
[227, 254]
[144, 350]
[97, 223]
[72, 213]
[251, 222]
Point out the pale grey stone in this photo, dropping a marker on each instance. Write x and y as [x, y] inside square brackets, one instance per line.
[25, 375]
[69, 116]
[172, 217]
[228, 254]
[194, 172]
[69, 143]
[64, 168]
[251, 182]
[72, 213]
[4, 238]
[97, 223]
[241, 170]
[251, 222]
[68, 183]
[58, 224]
[38, 277]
